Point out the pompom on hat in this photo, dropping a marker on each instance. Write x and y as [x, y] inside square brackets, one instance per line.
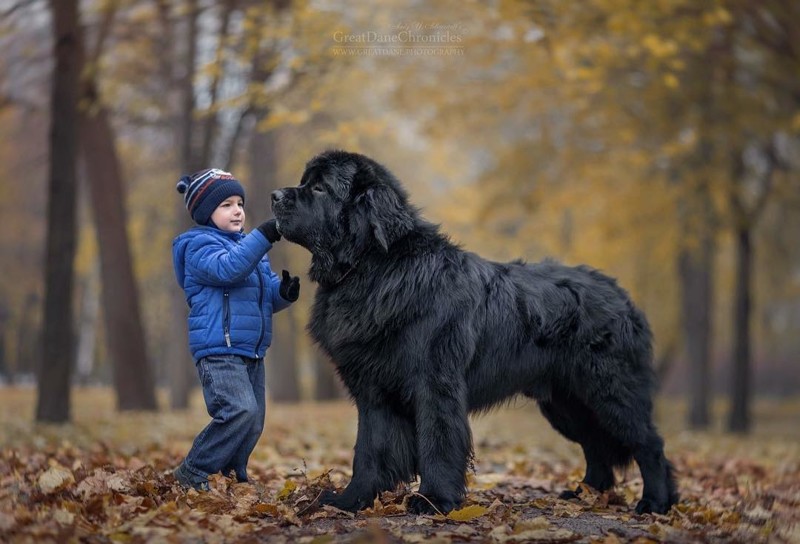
[203, 191]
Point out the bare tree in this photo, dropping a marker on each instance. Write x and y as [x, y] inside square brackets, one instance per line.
[696, 265]
[182, 376]
[55, 370]
[696, 274]
[133, 377]
[747, 212]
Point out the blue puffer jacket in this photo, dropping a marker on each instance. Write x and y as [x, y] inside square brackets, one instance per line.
[230, 288]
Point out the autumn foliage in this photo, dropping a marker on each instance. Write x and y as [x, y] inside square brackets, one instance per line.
[657, 141]
[107, 478]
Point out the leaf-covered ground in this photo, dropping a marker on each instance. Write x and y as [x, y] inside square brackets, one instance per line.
[106, 478]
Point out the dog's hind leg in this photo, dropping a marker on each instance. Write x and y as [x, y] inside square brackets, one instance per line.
[628, 419]
[659, 486]
[573, 420]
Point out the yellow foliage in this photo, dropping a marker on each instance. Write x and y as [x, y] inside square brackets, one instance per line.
[288, 488]
[468, 513]
[659, 47]
[671, 81]
[284, 117]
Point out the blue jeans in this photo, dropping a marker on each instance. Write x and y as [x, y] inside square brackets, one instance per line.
[233, 388]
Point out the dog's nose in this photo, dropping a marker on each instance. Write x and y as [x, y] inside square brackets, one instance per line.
[277, 196]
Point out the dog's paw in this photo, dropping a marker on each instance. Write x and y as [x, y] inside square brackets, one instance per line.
[651, 506]
[344, 501]
[419, 504]
[327, 497]
[569, 494]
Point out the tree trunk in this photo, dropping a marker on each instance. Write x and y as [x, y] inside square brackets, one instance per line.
[29, 338]
[740, 386]
[210, 126]
[133, 375]
[695, 268]
[87, 327]
[182, 372]
[55, 370]
[282, 380]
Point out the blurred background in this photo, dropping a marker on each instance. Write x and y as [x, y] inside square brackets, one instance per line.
[658, 141]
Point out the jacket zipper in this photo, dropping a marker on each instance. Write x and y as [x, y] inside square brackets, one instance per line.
[226, 317]
[260, 307]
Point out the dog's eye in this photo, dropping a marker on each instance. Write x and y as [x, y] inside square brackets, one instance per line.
[318, 189]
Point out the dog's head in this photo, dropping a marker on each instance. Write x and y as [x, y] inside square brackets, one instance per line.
[346, 205]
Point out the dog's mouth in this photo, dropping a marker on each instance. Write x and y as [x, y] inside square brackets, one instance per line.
[283, 222]
[279, 210]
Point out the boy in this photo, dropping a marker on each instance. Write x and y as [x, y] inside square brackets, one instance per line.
[232, 294]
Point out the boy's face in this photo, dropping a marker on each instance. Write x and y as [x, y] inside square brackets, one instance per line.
[229, 215]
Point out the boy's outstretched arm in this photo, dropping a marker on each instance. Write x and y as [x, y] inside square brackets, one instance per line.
[211, 263]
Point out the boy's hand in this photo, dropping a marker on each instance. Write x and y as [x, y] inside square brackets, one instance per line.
[270, 230]
[290, 287]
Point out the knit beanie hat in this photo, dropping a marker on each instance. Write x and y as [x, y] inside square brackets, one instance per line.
[204, 190]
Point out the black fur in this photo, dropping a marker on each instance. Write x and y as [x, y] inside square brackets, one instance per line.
[422, 333]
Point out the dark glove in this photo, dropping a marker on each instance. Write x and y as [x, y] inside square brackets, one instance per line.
[290, 287]
[270, 230]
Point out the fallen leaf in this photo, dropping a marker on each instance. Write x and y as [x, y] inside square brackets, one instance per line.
[758, 514]
[540, 535]
[265, 508]
[63, 516]
[288, 488]
[55, 479]
[464, 530]
[468, 513]
[534, 524]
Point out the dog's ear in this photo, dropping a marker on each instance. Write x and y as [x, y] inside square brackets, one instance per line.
[387, 215]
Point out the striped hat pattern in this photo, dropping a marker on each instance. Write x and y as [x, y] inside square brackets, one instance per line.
[203, 191]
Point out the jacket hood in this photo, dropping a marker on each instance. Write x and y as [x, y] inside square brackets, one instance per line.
[181, 243]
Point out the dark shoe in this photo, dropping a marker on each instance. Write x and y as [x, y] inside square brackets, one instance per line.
[184, 477]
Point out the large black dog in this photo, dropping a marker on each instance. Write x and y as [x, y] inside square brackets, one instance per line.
[422, 333]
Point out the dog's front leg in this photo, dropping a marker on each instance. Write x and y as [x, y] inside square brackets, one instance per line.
[444, 442]
[385, 455]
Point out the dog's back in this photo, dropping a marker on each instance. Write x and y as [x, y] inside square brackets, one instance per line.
[547, 323]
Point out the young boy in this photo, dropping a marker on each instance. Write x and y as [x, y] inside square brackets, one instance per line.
[232, 294]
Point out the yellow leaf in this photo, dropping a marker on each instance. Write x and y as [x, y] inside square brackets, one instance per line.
[467, 513]
[288, 489]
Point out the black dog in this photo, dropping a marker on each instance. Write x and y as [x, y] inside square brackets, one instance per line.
[422, 333]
